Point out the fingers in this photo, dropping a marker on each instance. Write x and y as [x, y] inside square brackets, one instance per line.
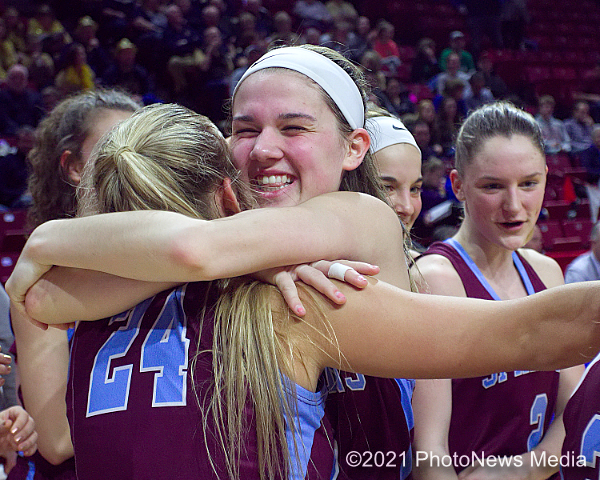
[287, 287]
[353, 275]
[316, 279]
[22, 434]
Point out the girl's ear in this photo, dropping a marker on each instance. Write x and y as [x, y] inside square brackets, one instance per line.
[227, 202]
[72, 167]
[357, 149]
[457, 185]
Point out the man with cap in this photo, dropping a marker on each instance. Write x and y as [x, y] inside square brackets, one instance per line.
[457, 45]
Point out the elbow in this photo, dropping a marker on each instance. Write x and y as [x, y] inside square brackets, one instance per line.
[189, 257]
[38, 302]
[56, 452]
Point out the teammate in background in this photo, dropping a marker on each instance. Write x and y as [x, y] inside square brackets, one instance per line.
[63, 144]
[500, 176]
[398, 159]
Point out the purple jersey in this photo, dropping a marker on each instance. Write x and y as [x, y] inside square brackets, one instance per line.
[373, 417]
[133, 407]
[505, 413]
[581, 448]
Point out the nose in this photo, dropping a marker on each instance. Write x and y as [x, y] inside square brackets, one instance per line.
[402, 204]
[266, 147]
[512, 202]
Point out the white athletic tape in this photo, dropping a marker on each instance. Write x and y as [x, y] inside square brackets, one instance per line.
[338, 271]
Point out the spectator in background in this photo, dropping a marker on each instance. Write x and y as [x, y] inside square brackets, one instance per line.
[13, 170]
[433, 193]
[16, 29]
[45, 23]
[553, 130]
[371, 63]
[397, 98]
[283, 34]
[341, 10]
[425, 65]
[39, 64]
[480, 94]
[192, 13]
[457, 45]
[215, 69]
[386, 47]
[590, 160]
[264, 20]
[579, 127]
[246, 33]
[20, 105]
[76, 76]
[340, 38]
[448, 122]
[126, 74]
[180, 44]
[422, 133]
[456, 89]
[492, 81]
[312, 36]
[97, 57]
[8, 53]
[586, 267]
[251, 55]
[313, 13]
[452, 72]
[361, 41]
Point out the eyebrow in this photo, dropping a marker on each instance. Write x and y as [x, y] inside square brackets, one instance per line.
[293, 115]
[283, 116]
[385, 178]
[489, 177]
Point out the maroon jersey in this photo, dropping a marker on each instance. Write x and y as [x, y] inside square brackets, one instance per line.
[372, 417]
[505, 413]
[133, 404]
[580, 459]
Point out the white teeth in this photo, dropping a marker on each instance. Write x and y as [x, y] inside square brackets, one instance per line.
[279, 180]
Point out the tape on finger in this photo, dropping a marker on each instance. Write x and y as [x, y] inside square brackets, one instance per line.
[338, 271]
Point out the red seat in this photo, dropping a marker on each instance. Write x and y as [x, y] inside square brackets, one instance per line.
[13, 241]
[557, 209]
[558, 162]
[536, 74]
[578, 228]
[550, 230]
[567, 244]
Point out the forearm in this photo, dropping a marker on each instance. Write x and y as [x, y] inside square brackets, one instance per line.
[546, 331]
[66, 295]
[43, 366]
[164, 246]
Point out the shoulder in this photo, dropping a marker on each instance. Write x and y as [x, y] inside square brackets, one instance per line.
[546, 268]
[435, 274]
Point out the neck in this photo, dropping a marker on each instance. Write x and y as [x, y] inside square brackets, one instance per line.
[489, 257]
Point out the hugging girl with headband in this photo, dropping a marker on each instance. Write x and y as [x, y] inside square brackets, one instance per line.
[291, 145]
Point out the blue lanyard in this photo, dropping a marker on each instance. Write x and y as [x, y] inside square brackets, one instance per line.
[475, 269]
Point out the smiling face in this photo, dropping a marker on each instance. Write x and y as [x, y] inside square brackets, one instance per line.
[400, 169]
[503, 189]
[285, 139]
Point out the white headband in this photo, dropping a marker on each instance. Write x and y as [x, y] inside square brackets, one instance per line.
[327, 74]
[386, 131]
